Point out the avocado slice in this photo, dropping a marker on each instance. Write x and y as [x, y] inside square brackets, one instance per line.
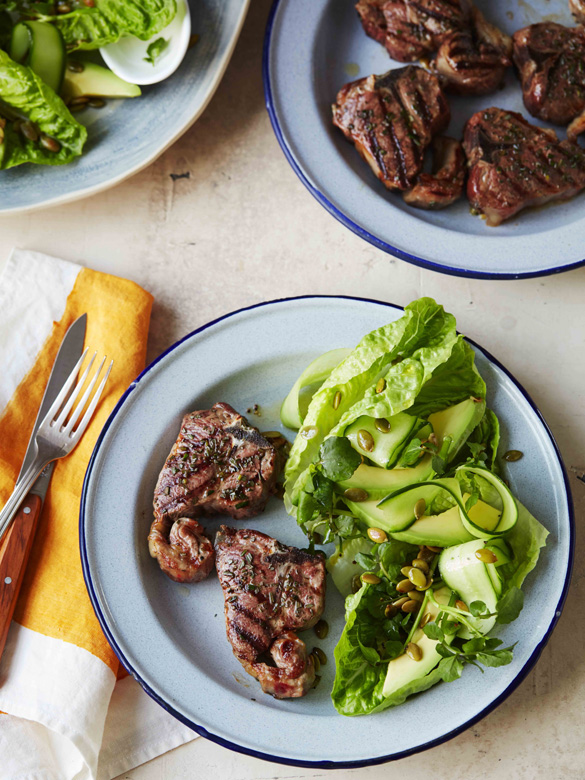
[95, 81]
[387, 445]
[457, 422]
[483, 523]
[378, 483]
[404, 670]
[442, 530]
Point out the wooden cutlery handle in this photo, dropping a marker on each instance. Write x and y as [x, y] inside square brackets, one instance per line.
[14, 552]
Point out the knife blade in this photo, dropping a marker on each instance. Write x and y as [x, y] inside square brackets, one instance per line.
[69, 353]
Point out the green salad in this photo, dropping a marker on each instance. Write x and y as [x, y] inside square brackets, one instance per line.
[44, 80]
[396, 462]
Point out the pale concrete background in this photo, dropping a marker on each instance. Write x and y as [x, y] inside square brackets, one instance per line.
[243, 229]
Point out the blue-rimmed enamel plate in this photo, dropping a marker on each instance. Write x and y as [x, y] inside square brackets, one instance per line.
[127, 135]
[312, 50]
[172, 637]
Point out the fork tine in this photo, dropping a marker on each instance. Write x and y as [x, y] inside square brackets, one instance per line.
[56, 405]
[79, 408]
[60, 421]
[76, 435]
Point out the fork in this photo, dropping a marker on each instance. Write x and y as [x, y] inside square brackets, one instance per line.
[57, 435]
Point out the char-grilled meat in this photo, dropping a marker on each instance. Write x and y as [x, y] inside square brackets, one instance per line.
[444, 185]
[219, 464]
[412, 29]
[270, 591]
[551, 61]
[391, 119]
[474, 60]
[514, 165]
[578, 10]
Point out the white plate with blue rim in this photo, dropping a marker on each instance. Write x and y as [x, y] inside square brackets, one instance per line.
[172, 638]
[311, 51]
[128, 135]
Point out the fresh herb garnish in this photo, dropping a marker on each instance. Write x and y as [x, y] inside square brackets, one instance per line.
[155, 49]
[338, 458]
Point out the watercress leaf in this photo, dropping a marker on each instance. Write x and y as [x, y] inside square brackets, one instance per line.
[365, 560]
[492, 642]
[392, 650]
[451, 668]
[346, 526]
[477, 608]
[474, 645]
[434, 631]
[496, 658]
[306, 508]
[323, 490]
[444, 650]
[396, 552]
[338, 458]
[450, 627]
[439, 465]
[472, 500]
[510, 605]
[411, 453]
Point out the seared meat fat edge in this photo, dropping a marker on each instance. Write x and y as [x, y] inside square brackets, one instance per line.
[219, 464]
[444, 185]
[271, 591]
[391, 119]
[514, 165]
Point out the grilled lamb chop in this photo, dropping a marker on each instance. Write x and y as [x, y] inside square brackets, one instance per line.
[578, 10]
[551, 61]
[270, 591]
[391, 119]
[474, 60]
[412, 29]
[445, 185]
[220, 464]
[515, 165]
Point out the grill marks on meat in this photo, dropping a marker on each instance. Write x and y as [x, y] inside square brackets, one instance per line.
[474, 60]
[391, 119]
[411, 29]
[219, 464]
[270, 591]
[515, 165]
[551, 61]
[444, 186]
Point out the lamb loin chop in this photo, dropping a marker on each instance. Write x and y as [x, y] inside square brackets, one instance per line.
[551, 62]
[444, 185]
[412, 29]
[515, 165]
[474, 60]
[219, 464]
[270, 591]
[391, 119]
[578, 10]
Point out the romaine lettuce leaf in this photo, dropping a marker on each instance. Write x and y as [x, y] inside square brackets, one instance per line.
[526, 539]
[24, 95]
[425, 333]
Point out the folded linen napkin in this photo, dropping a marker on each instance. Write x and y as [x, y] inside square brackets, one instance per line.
[64, 715]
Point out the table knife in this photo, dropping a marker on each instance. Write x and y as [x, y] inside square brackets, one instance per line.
[16, 545]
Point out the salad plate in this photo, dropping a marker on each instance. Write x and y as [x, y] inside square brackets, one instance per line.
[311, 51]
[127, 135]
[172, 638]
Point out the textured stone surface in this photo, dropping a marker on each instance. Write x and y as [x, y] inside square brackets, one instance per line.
[243, 229]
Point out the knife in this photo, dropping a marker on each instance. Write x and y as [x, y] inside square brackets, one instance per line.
[16, 546]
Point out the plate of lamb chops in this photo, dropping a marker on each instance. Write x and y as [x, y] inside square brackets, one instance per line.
[203, 583]
[445, 132]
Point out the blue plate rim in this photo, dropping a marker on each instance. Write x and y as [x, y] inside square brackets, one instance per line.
[347, 221]
[257, 753]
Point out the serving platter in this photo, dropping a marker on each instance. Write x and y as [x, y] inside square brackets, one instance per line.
[311, 51]
[171, 637]
[128, 135]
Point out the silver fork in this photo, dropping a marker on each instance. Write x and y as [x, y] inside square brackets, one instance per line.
[57, 436]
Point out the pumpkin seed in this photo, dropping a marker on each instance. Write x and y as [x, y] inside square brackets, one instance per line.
[382, 425]
[415, 595]
[461, 605]
[424, 619]
[433, 439]
[321, 629]
[419, 509]
[317, 681]
[427, 585]
[435, 549]
[425, 554]
[417, 577]
[413, 651]
[485, 555]
[381, 385]
[391, 610]
[377, 535]
[50, 144]
[399, 602]
[271, 434]
[404, 586]
[370, 578]
[96, 102]
[404, 570]
[418, 563]
[29, 131]
[75, 67]
[316, 661]
[355, 494]
[410, 606]
[320, 655]
[356, 584]
[513, 455]
[309, 432]
[365, 440]
[337, 399]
